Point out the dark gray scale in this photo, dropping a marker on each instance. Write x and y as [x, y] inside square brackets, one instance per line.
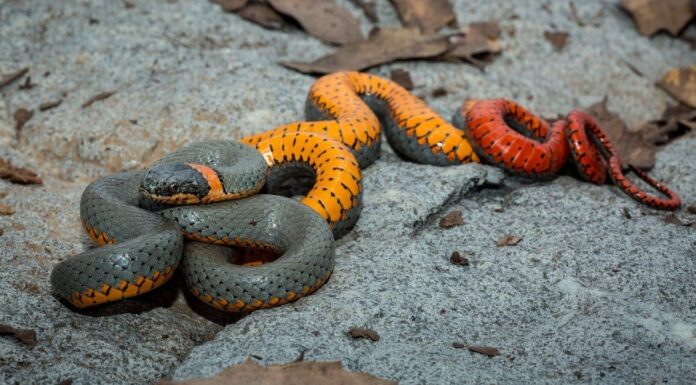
[241, 169]
[300, 234]
[146, 241]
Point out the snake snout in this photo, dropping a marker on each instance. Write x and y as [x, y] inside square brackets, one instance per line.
[172, 179]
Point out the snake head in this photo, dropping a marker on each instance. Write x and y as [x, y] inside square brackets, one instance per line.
[176, 183]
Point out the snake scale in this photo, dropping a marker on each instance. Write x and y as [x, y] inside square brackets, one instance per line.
[207, 192]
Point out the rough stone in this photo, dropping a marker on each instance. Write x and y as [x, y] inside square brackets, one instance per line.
[588, 296]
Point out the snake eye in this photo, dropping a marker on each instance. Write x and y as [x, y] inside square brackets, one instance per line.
[167, 180]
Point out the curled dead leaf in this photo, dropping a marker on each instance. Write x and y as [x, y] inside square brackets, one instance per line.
[428, 15]
[676, 121]
[402, 78]
[480, 41]
[631, 145]
[356, 332]
[453, 218]
[557, 39]
[681, 84]
[457, 259]
[263, 15]
[21, 117]
[652, 16]
[323, 19]
[98, 97]
[231, 5]
[485, 350]
[18, 174]
[25, 336]
[508, 240]
[6, 210]
[382, 46]
[297, 373]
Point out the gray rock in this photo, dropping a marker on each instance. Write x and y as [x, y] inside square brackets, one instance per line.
[588, 295]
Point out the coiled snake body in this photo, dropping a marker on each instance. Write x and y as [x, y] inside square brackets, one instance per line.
[346, 112]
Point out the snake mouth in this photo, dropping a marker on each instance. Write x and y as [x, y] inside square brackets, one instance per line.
[177, 183]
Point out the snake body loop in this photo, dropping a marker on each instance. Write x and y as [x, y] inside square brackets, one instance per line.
[346, 112]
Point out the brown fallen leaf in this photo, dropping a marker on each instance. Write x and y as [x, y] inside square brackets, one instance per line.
[681, 84]
[368, 7]
[21, 117]
[557, 39]
[439, 92]
[652, 16]
[453, 218]
[631, 146]
[98, 97]
[18, 175]
[9, 79]
[382, 46]
[676, 120]
[323, 19]
[263, 15]
[296, 373]
[485, 350]
[402, 78]
[6, 210]
[508, 240]
[428, 15]
[50, 105]
[479, 43]
[356, 332]
[25, 336]
[231, 5]
[457, 259]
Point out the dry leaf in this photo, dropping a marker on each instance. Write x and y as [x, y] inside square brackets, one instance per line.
[263, 15]
[323, 19]
[652, 16]
[231, 5]
[363, 333]
[98, 97]
[453, 218]
[21, 117]
[18, 174]
[676, 121]
[13, 76]
[479, 43]
[631, 146]
[681, 84]
[428, 15]
[297, 373]
[49, 105]
[368, 7]
[402, 78]
[6, 210]
[26, 336]
[485, 350]
[508, 240]
[458, 259]
[384, 45]
[557, 39]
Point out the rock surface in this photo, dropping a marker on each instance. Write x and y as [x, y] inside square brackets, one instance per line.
[588, 295]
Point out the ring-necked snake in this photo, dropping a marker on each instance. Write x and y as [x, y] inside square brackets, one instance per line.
[139, 219]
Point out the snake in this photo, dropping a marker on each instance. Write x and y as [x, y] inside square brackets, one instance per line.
[185, 210]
